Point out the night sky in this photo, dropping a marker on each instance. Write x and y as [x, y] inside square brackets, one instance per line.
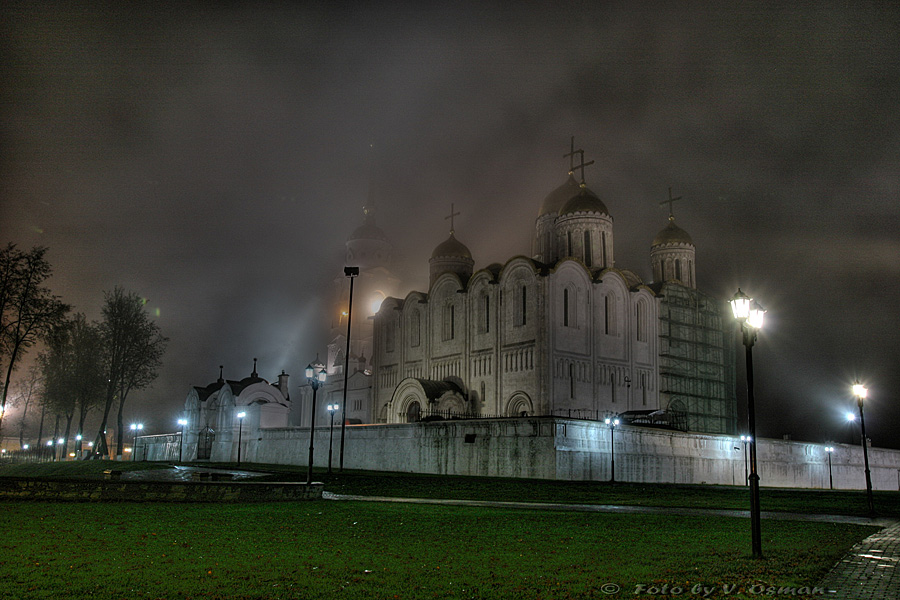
[214, 160]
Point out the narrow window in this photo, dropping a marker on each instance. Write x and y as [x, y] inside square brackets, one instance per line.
[612, 386]
[569, 244]
[452, 321]
[640, 322]
[414, 330]
[603, 249]
[524, 305]
[565, 307]
[677, 269]
[606, 315]
[588, 258]
[487, 314]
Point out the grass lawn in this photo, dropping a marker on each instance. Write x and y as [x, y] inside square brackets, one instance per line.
[365, 550]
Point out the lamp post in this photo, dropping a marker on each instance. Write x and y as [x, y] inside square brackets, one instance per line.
[181, 422]
[331, 409]
[135, 427]
[745, 439]
[750, 316]
[240, 417]
[828, 451]
[350, 272]
[860, 391]
[612, 423]
[315, 380]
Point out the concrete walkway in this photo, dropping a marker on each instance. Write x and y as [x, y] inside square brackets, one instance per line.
[868, 572]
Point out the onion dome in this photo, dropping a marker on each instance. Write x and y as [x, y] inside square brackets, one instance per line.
[451, 248]
[672, 234]
[558, 197]
[585, 201]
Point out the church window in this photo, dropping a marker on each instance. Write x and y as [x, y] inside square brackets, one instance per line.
[482, 391]
[606, 315]
[566, 307]
[677, 269]
[644, 389]
[588, 259]
[389, 335]
[524, 305]
[415, 329]
[603, 249]
[569, 249]
[486, 314]
[449, 322]
[640, 322]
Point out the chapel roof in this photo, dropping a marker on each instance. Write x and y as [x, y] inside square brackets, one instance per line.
[451, 248]
[368, 230]
[672, 234]
[556, 199]
[585, 201]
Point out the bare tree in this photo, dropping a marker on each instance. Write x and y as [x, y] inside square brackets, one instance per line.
[73, 371]
[133, 347]
[28, 310]
[27, 390]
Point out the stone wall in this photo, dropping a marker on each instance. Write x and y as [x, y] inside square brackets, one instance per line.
[569, 449]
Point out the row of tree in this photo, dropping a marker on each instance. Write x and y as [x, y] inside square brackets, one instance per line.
[84, 366]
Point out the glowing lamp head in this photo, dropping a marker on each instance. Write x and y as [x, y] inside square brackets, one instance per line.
[851, 417]
[241, 415]
[829, 449]
[755, 318]
[740, 305]
[859, 390]
[182, 422]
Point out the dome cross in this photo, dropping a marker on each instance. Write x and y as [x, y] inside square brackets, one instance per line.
[671, 201]
[450, 216]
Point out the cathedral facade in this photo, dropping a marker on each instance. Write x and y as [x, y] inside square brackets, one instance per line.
[564, 332]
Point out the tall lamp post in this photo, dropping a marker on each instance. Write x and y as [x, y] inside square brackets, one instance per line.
[240, 417]
[350, 272]
[828, 451]
[181, 422]
[612, 422]
[750, 316]
[135, 427]
[860, 391]
[315, 380]
[745, 439]
[331, 410]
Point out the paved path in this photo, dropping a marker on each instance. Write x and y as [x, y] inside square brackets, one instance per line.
[868, 572]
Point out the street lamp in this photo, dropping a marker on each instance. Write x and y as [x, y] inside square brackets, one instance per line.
[240, 417]
[860, 391]
[181, 422]
[828, 451]
[750, 314]
[612, 423]
[331, 409]
[315, 380]
[135, 427]
[745, 439]
[350, 272]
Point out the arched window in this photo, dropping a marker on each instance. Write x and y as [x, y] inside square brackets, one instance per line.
[566, 307]
[640, 318]
[677, 269]
[415, 329]
[486, 314]
[588, 257]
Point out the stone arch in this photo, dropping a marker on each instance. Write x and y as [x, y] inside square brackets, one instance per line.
[519, 405]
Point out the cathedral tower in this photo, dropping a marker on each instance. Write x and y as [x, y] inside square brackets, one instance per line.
[672, 253]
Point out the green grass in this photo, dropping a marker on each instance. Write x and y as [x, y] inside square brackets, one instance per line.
[364, 550]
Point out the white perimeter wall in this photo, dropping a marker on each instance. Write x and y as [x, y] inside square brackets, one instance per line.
[567, 449]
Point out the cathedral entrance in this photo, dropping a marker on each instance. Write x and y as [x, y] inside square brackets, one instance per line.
[413, 413]
[205, 443]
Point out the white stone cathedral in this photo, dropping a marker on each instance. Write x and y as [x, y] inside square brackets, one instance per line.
[563, 333]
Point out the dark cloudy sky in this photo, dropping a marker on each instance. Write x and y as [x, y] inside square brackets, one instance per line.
[214, 160]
